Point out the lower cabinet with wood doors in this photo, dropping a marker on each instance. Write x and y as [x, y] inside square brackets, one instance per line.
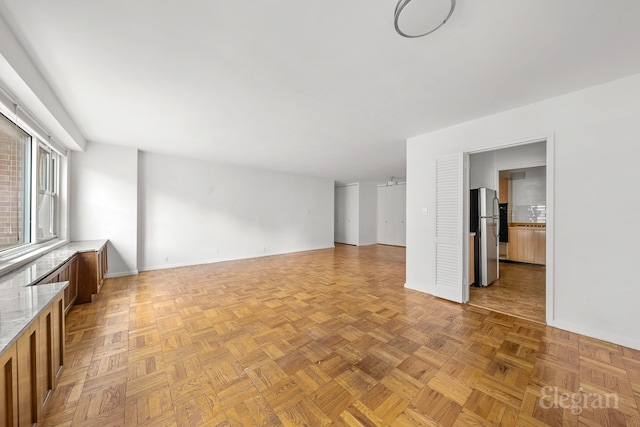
[30, 368]
[527, 244]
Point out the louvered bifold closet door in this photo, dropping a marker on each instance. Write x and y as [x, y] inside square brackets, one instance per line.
[449, 226]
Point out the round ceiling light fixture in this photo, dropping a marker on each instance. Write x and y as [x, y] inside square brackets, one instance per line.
[417, 18]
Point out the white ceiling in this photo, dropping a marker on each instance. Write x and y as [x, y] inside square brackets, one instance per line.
[316, 87]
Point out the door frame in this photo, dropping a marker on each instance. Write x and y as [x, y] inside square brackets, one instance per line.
[550, 225]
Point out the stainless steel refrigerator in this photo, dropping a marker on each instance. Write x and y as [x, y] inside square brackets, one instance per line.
[485, 222]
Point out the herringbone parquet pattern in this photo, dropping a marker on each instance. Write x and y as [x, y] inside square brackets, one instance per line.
[318, 338]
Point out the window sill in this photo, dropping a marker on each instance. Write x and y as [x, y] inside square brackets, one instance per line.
[15, 260]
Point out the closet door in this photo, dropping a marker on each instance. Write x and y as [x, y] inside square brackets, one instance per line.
[401, 201]
[339, 231]
[351, 210]
[396, 208]
[449, 280]
[382, 215]
[346, 215]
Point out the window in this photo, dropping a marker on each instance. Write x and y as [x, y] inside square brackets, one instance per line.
[15, 147]
[29, 171]
[46, 203]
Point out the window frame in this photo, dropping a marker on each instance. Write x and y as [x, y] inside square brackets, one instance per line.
[52, 179]
[11, 257]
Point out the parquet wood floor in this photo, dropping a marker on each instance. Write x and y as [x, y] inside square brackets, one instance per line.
[520, 291]
[328, 337]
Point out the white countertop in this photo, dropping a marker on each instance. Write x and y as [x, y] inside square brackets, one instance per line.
[20, 306]
[21, 303]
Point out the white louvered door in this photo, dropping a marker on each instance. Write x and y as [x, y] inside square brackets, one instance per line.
[449, 228]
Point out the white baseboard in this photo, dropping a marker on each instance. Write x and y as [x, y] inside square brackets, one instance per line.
[222, 259]
[121, 273]
[597, 334]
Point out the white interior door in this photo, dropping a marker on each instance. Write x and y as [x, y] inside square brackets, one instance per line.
[339, 216]
[449, 228]
[382, 215]
[402, 215]
[351, 210]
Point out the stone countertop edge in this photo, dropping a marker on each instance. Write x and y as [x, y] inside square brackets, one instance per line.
[21, 307]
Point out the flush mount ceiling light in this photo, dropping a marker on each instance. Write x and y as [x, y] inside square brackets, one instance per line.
[417, 18]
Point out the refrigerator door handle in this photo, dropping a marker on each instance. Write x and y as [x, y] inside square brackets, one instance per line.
[496, 219]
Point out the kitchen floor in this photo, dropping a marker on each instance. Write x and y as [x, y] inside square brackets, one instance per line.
[519, 292]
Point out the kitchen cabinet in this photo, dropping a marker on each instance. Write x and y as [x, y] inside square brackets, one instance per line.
[392, 210]
[58, 310]
[503, 190]
[527, 244]
[91, 270]
[85, 273]
[32, 366]
[44, 369]
[540, 246]
[9, 387]
[66, 273]
[27, 346]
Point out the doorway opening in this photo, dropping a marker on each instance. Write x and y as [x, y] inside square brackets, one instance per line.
[518, 174]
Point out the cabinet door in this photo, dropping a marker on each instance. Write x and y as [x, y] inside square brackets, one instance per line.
[45, 358]
[503, 191]
[540, 246]
[27, 357]
[58, 312]
[71, 292]
[104, 263]
[9, 388]
[87, 276]
[520, 244]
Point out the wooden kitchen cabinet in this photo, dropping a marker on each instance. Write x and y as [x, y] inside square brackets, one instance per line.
[44, 369]
[32, 367]
[92, 268]
[51, 349]
[503, 190]
[527, 244]
[9, 387]
[66, 272]
[540, 247]
[27, 346]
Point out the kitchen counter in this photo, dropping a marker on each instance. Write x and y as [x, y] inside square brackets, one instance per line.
[21, 303]
[20, 306]
[30, 273]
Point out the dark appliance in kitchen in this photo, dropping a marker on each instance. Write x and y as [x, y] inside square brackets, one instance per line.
[485, 222]
[504, 226]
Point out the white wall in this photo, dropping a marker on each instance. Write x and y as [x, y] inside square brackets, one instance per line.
[195, 212]
[103, 202]
[483, 165]
[482, 170]
[595, 133]
[368, 207]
